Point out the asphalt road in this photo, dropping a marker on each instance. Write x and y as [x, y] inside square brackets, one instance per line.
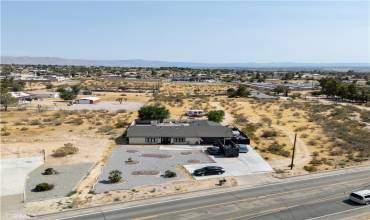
[303, 199]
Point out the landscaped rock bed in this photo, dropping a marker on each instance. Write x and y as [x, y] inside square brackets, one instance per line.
[64, 180]
[146, 165]
[159, 156]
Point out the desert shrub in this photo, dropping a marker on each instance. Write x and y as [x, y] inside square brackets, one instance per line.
[279, 171]
[71, 193]
[266, 120]
[49, 171]
[170, 174]
[49, 86]
[75, 121]
[365, 116]
[269, 134]
[315, 154]
[120, 124]
[315, 162]
[310, 168]
[57, 123]
[106, 129]
[250, 129]
[121, 111]
[68, 149]
[278, 149]
[24, 129]
[115, 176]
[312, 142]
[300, 129]
[4, 131]
[304, 135]
[41, 187]
[35, 122]
[47, 120]
[240, 119]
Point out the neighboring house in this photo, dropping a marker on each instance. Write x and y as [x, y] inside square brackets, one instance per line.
[193, 132]
[21, 96]
[88, 100]
[44, 94]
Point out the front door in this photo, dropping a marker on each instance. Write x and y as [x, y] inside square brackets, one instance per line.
[165, 140]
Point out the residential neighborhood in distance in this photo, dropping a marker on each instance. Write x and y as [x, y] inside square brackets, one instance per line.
[185, 110]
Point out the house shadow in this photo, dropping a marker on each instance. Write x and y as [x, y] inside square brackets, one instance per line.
[121, 140]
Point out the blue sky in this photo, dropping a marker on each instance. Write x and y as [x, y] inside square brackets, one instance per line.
[293, 31]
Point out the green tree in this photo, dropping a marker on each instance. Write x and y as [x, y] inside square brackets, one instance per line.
[76, 89]
[6, 99]
[67, 95]
[216, 115]
[281, 89]
[241, 91]
[152, 112]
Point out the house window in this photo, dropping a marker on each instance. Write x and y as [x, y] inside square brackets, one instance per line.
[151, 140]
[179, 140]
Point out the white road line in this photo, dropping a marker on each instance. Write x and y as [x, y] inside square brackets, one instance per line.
[335, 213]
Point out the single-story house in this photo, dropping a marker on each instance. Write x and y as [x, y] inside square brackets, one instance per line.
[88, 100]
[201, 132]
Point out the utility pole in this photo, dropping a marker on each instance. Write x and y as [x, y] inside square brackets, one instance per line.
[295, 141]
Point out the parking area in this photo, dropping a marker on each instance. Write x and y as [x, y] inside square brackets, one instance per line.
[14, 172]
[246, 164]
[147, 165]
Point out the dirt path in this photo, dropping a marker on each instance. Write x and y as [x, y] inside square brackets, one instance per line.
[229, 119]
[302, 153]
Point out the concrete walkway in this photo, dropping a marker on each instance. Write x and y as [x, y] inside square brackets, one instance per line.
[14, 172]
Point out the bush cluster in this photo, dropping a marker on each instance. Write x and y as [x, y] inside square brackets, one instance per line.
[170, 174]
[68, 149]
[41, 187]
[278, 149]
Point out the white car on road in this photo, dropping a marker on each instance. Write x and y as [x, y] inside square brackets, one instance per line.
[361, 197]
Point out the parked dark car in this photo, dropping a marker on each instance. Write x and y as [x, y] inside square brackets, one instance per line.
[213, 150]
[209, 170]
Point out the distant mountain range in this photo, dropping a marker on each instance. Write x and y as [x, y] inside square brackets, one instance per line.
[154, 63]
